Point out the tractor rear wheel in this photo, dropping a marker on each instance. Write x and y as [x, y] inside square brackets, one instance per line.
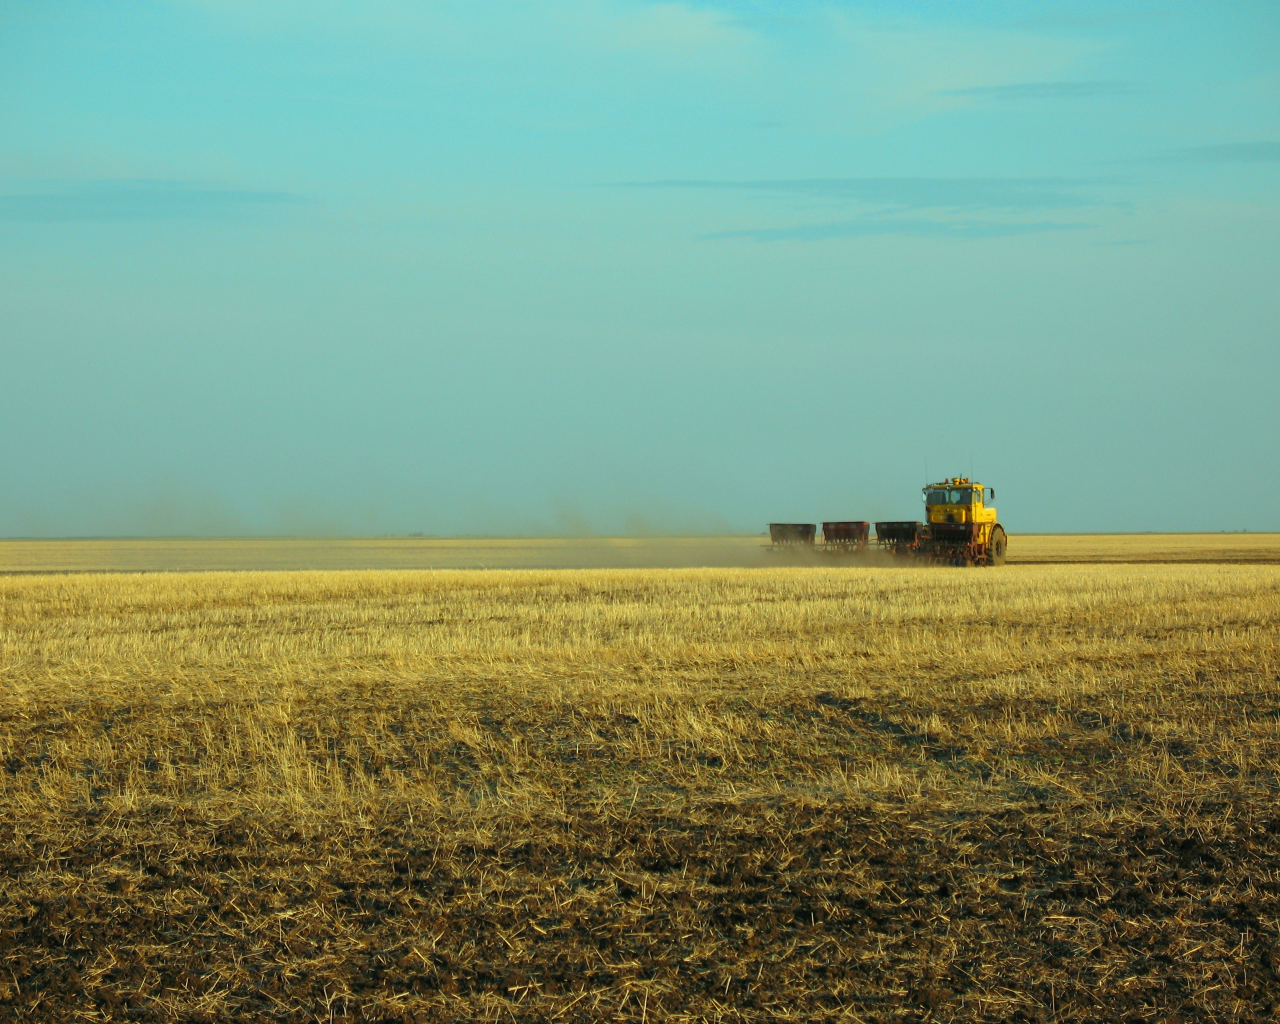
[995, 549]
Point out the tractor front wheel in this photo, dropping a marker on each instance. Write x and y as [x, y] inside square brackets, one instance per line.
[995, 549]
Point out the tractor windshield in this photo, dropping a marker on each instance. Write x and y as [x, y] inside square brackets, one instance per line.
[952, 496]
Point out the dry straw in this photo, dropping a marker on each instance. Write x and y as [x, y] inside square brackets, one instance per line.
[753, 794]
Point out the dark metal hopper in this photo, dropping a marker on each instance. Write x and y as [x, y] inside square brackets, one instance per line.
[792, 533]
[900, 535]
[846, 534]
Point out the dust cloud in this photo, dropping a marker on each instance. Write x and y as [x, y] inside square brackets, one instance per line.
[303, 553]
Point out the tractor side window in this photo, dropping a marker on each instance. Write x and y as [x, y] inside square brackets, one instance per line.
[936, 497]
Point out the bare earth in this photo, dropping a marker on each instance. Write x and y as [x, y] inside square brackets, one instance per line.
[178, 555]
[1036, 793]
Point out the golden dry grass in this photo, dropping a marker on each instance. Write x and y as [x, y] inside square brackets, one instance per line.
[1037, 793]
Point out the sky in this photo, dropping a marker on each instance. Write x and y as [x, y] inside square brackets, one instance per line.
[620, 267]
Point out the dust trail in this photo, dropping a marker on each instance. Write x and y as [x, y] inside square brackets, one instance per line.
[284, 553]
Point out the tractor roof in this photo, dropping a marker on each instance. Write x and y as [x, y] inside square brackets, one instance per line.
[956, 481]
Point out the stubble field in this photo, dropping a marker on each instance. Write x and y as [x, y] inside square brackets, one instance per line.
[197, 554]
[1047, 792]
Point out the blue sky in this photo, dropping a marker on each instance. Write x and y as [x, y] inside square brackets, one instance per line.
[325, 267]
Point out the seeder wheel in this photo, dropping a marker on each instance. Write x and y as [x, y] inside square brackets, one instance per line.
[995, 550]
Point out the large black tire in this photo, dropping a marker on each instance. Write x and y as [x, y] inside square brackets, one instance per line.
[995, 550]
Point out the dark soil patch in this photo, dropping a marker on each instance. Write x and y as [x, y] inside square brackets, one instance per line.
[729, 912]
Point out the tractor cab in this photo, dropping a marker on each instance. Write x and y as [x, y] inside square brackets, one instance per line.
[959, 500]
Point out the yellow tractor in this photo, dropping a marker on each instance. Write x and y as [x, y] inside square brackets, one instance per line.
[961, 528]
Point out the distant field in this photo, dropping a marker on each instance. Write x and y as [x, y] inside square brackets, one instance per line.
[1146, 547]
[795, 794]
[176, 555]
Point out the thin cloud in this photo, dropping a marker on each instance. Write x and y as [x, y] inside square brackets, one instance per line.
[139, 199]
[914, 228]
[969, 208]
[1046, 90]
[1231, 152]
[956, 194]
[1070, 19]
